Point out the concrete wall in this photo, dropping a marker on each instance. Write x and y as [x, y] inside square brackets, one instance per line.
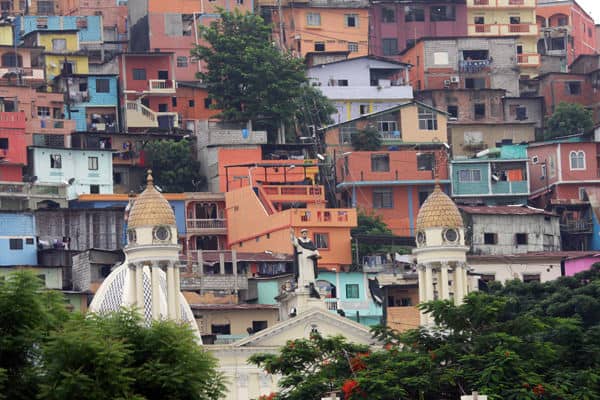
[52, 277]
[239, 320]
[548, 269]
[468, 139]
[17, 226]
[543, 233]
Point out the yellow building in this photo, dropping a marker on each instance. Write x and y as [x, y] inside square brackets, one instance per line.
[61, 50]
[508, 18]
[6, 35]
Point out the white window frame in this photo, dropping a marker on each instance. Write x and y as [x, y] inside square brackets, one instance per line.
[469, 177]
[61, 47]
[390, 124]
[347, 18]
[382, 192]
[93, 163]
[427, 119]
[353, 47]
[313, 19]
[577, 160]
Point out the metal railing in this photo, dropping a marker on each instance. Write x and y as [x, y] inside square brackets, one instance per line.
[217, 223]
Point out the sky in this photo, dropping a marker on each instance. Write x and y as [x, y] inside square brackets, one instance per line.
[592, 7]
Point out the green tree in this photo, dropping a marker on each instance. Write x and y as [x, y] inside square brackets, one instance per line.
[117, 357]
[367, 139]
[369, 224]
[569, 119]
[174, 166]
[27, 316]
[520, 341]
[312, 108]
[248, 77]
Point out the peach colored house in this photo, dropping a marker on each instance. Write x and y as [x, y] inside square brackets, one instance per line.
[324, 28]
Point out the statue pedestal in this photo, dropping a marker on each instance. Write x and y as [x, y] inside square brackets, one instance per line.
[298, 300]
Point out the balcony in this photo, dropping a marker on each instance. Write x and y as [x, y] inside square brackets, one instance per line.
[161, 86]
[12, 120]
[575, 226]
[207, 226]
[323, 217]
[525, 29]
[528, 60]
[520, 29]
[294, 193]
[483, 4]
[51, 126]
[483, 30]
[506, 187]
[473, 66]
[140, 116]
[28, 196]
[28, 74]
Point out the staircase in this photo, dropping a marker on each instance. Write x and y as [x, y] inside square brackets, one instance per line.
[140, 116]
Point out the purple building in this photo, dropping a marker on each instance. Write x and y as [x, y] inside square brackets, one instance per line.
[397, 25]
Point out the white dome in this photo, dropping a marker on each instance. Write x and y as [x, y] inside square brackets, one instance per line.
[113, 295]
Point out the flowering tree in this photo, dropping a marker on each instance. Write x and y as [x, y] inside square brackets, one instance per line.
[522, 341]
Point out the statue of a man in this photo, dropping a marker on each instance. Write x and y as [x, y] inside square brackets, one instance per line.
[306, 256]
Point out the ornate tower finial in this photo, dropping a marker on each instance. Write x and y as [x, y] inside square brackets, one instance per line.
[149, 179]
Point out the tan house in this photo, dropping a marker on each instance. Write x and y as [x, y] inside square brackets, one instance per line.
[406, 123]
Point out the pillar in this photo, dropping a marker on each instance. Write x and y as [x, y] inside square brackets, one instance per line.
[234, 266]
[139, 286]
[466, 279]
[171, 313]
[444, 290]
[131, 294]
[155, 274]
[421, 271]
[177, 288]
[459, 283]
[428, 282]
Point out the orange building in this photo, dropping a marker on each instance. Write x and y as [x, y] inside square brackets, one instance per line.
[329, 27]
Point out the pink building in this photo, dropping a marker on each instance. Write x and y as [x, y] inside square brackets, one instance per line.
[13, 147]
[398, 25]
[574, 265]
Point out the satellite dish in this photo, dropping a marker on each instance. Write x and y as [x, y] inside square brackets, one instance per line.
[70, 182]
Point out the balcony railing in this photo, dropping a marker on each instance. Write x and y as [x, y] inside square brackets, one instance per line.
[473, 66]
[528, 59]
[577, 226]
[206, 223]
[161, 85]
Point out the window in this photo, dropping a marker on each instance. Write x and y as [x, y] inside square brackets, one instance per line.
[383, 198]
[364, 109]
[15, 244]
[443, 13]
[59, 44]
[139, 74]
[521, 238]
[95, 189]
[380, 162]
[490, 238]
[573, 88]
[182, 61]
[388, 127]
[425, 161]
[414, 14]
[192, 103]
[475, 83]
[220, 329]
[3, 143]
[543, 171]
[93, 163]
[390, 47]
[162, 75]
[322, 240]
[207, 103]
[11, 60]
[313, 19]
[45, 8]
[55, 161]
[29, 241]
[163, 107]
[427, 119]
[577, 160]
[583, 194]
[319, 46]
[453, 111]
[351, 20]
[479, 20]
[342, 82]
[515, 20]
[352, 47]
[469, 175]
[479, 111]
[439, 58]
[43, 111]
[102, 86]
[423, 195]
[187, 24]
[531, 278]
[352, 291]
[259, 325]
[551, 166]
[487, 277]
[388, 15]
[174, 101]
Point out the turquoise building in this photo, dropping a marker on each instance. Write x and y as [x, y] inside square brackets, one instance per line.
[89, 27]
[84, 171]
[498, 176]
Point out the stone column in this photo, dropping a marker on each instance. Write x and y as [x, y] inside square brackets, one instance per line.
[428, 282]
[139, 286]
[177, 284]
[222, 263]
[234, 266]
[154, 272]
[421, 281]
[131, 293]
[459, 283]
[466, 279]
[171, 291]
[443, 285]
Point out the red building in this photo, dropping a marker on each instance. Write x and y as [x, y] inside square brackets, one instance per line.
[392, 184]
[556, 88]
[560, 175]
[398, 25]
[148, 83]
[13, 146]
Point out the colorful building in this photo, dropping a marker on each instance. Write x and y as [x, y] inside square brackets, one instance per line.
[17, 239]
[508, 18]
[562, 174]
[496, 176]
[13, 146]
[85, 171]
[566, 32]
[398, 26]
[361, 85]
[21, 66]
[317, 27]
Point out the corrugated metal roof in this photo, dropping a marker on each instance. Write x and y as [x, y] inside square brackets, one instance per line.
[505, 210]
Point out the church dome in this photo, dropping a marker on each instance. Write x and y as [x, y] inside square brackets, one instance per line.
[438, 211]
[150, 208]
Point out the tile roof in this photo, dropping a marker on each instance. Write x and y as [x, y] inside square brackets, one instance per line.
[504, 210]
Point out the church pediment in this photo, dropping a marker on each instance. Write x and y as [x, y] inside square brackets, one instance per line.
[301, 326]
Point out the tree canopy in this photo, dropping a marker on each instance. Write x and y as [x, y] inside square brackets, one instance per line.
[569, 119]
[367, 139]
[49, 354]
[174, 167]
[520, 341]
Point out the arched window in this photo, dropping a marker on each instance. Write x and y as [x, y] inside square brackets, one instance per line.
[12, 60]
[577, 159]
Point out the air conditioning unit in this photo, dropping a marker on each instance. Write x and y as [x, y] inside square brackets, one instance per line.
[454, 79]
[447, 82]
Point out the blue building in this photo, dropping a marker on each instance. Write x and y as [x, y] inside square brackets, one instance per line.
[349, 292]
[84, 171]
[89, 27]
[93, 101]
[499, 176]
[17, 239]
